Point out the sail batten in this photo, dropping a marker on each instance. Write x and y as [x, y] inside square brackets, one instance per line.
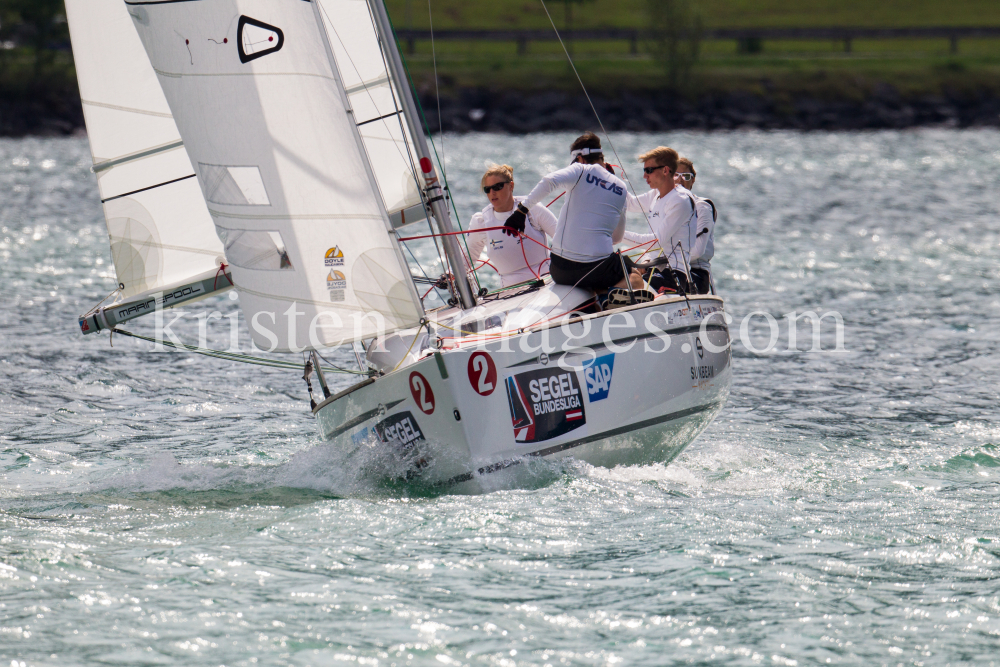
[299, 203]
[108, 164]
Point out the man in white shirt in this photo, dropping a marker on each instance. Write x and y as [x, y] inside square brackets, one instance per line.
[591, 222]
[516, 258]
[670, 212]
[703, 248]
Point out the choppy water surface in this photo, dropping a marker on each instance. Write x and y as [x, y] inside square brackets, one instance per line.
[161, 508]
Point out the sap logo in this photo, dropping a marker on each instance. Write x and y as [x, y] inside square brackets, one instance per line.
[598, 376]
[617, 189]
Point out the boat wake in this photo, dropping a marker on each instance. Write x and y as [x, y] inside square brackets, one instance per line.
[322, 471]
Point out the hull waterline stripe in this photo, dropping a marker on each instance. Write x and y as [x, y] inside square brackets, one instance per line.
[495, 467]
[363, 417]
[151, 187]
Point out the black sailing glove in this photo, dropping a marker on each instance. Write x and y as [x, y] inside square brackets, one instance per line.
[515, 222]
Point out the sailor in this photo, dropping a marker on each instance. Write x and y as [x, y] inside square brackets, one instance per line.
[591, 222]
[670, 212]
[516, 258]
[703, 247]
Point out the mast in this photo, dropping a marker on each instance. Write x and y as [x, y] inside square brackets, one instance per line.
[432, 185]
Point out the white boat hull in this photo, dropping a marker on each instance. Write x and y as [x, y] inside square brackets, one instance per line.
[610, 396]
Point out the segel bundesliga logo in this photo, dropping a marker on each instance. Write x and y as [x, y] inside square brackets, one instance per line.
[400, 430]
[544, 404]
[598, 376]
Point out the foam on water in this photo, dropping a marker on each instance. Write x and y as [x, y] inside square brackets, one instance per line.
[165, 508]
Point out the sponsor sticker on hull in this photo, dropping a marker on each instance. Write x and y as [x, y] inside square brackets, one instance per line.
[400, 430]
[545, 404]
[598, 376]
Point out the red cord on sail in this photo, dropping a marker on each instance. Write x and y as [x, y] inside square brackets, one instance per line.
[222, 270]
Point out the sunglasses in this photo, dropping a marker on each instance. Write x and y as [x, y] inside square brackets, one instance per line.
[496, 187]
[685, 176]
[650, 170]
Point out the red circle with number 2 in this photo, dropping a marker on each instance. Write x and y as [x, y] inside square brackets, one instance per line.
[482, 373]
[422, 393]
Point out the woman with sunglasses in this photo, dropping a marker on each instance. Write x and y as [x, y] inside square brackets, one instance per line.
[516, 258]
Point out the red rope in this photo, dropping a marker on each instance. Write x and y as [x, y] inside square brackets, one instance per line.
[525, 255]
[522, 235]
[467, 231]
[222, 270]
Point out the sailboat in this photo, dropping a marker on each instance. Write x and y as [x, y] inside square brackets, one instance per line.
[291, 130]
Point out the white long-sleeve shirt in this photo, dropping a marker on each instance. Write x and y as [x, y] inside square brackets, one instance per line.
[704, 244]
[507, 253]
[672, 218]
[592, 220]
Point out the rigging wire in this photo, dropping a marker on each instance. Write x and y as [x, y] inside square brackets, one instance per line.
[607, 136]
[403, 243]
[407, 157]
[430, 137]
[229, 356]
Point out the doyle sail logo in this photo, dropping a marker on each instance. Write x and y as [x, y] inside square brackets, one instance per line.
[598, 376]
[545, 404]
[334, 257]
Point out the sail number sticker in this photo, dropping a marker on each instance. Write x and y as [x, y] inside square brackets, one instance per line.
[422, 393]
[482, 373]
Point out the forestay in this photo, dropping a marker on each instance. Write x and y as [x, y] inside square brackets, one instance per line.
[160, 229]
[266, 121]
[377, 112]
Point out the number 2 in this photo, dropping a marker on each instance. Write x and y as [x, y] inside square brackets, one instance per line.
[479, 363]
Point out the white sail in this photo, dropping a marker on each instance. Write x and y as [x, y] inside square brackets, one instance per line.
[160, 229]
[265, 119]
[377, 111]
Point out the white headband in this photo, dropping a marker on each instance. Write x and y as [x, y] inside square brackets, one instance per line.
[586, 151]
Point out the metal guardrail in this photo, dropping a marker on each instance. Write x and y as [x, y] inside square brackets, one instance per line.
[743, 36]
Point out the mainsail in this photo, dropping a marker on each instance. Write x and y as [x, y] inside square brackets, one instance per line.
[378, 113]
[289, 182]
[161, 233]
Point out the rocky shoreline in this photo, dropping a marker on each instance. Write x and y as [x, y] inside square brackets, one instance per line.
[472, 110]
[478, 110]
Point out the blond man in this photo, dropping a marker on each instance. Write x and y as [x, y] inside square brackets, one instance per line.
[670, 211]
[703, 243]
[517, 257]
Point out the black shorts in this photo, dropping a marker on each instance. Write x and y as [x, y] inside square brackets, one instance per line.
[702, 281]
[599, 276]
[666, 279]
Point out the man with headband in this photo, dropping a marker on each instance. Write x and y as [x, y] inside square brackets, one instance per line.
[591, 222]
